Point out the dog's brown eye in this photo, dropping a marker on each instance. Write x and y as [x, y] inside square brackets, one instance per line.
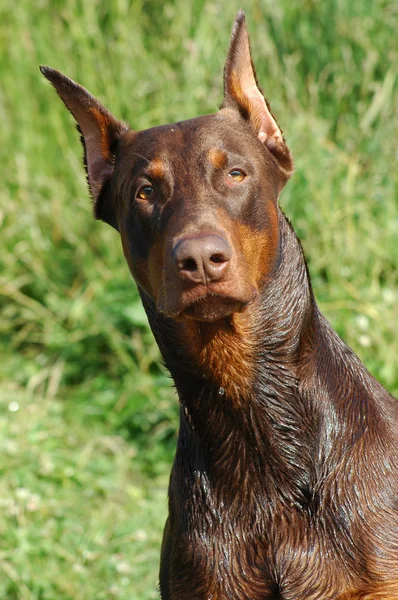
[145, 192]
[236, 175]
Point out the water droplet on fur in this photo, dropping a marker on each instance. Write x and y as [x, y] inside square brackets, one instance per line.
[221, 391]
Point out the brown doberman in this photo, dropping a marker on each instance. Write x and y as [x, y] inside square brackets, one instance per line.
[285, 480]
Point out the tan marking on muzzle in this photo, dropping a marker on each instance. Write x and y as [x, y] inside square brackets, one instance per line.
[224, 351]
[259, 248]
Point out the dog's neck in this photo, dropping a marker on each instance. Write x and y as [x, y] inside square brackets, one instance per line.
[247, 387]
[237, 381]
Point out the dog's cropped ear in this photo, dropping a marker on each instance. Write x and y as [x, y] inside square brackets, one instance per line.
[100, 132]
[242, 93]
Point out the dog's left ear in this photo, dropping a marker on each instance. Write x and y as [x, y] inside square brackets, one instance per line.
[100, 132]
[242, 92]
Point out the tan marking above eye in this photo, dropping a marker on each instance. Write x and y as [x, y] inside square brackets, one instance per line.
[236, 175]
[157, 168]
[145, 192]
[218, 157]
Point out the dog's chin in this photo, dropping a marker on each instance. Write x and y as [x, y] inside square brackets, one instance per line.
[211, 308]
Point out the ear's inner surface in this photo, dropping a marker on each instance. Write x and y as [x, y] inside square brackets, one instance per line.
[99, 128]
[99, 137]
[242, 92]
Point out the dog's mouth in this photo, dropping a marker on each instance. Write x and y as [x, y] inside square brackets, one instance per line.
[207, 303]
[212, 307]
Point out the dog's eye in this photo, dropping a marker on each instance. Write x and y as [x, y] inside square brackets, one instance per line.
[236, 175]
[145, 192]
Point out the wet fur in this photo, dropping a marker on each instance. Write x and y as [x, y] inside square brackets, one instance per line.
[285, 479]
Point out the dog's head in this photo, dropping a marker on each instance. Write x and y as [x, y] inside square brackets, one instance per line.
[195, 202]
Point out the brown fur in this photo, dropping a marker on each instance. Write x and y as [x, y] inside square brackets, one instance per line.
[285, 480]
[225, 353]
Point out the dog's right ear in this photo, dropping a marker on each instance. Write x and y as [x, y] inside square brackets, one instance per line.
[100, 132]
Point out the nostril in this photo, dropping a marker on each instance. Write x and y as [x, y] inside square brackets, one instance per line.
[189, 264]
[218, 258]
[202, 258]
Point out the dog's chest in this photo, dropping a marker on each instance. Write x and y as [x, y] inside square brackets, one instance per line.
[279, 559]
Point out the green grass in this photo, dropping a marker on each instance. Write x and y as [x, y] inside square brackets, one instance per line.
[87, 415]
[78, 519]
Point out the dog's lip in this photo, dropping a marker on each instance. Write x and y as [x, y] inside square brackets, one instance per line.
[205, 302]
[212, 305]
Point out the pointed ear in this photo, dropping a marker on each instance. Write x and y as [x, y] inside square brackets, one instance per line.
[242, 93]
[100, 132]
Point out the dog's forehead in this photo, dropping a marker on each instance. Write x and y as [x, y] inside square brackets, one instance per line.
[190, 138]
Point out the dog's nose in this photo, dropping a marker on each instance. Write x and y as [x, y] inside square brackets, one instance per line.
[202, 258]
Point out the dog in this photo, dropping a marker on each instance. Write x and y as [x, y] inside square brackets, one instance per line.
[285, 479]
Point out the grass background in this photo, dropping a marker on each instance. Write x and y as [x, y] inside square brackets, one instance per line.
[87, 415]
